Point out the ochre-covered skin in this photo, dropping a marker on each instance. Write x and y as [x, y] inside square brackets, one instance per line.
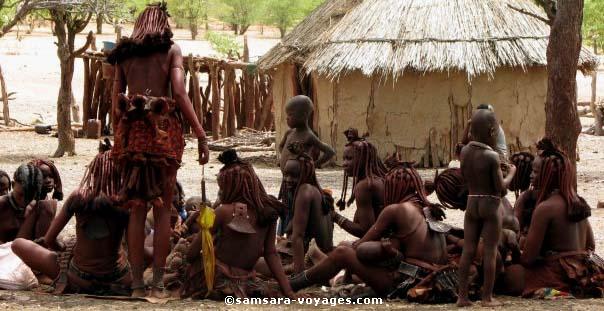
[481, 168]
[159, 74]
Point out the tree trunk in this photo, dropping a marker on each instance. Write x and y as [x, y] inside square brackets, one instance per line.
[4, 95]
[99, 23]
[64, 49]
[193, 28]
[562, 123]
[243, 29]
[594, 109]
[282, 31]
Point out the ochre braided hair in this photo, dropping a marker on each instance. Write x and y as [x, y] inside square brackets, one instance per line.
[152, 33]
[451, 189]
[557, 174]
[101, 177]
[524, 166]
[57, 194]
[367, 164]
[402, 184]
[238, 182]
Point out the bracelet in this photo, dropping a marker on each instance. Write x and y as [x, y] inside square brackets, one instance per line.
[341, 219]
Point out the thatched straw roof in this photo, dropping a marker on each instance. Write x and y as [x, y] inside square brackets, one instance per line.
[391, 37]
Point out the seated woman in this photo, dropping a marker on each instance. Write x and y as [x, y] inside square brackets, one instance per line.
[559, 244]
[52, 192]
[93, 263]
[402, 254]
[17, 209]
[311, 207]
[5, 183]
[361, 162]
[244, 230]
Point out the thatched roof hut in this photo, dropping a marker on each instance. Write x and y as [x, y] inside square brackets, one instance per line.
[410, 72]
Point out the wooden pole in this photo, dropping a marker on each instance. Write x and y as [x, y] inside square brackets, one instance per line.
[238, 105]
[226, 106]
[249, 80]
[261, 93]
[594, 108]
[99, 85]
[267, 107]
[193, 68]
[215, 72]
[87, 94]
[4, 94]
[207, 124]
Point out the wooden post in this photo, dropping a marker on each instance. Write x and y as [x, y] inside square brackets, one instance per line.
[248, 84]
[246, 50]
[99, 84]
[231, 127]
[214, 73]
[593, 106]
[261, 90]
[4, 94]
[207, 124]
[267, 107]
[194, 85]
[87, 94]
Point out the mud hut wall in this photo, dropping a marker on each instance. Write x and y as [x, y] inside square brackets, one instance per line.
[283, 90]
[421, 116]
[519, 101]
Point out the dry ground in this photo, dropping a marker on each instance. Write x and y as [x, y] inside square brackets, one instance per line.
[31, 69]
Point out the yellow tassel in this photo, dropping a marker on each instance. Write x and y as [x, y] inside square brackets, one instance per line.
[206, 222]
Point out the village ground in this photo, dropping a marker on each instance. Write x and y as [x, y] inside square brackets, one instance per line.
[31, 69]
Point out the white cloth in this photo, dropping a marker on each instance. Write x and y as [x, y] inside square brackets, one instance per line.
[14, 273]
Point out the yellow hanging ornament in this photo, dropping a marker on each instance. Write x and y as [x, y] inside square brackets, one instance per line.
[206, 221]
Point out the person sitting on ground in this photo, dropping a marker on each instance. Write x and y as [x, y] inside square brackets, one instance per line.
[299, 110]
[558, 254]
[46, 207]
[481, 169]
[243, 230]
[5, 183]
[361, 162]
[17, 209]
[404, 251]
[94, 262]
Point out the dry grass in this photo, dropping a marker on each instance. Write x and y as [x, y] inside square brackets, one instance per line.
[391, 37]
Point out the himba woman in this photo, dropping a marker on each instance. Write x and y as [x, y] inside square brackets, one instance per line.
[402, 239]
[244, 230]
[558, 253]
[94, 262]
[362, 164]
[17, 207]
[149, 140]
[45, 208]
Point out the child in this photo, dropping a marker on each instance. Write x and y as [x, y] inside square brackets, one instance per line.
[481, 168]
[299, 110]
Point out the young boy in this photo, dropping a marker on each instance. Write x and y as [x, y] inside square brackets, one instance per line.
[298, 110]
[480, 166]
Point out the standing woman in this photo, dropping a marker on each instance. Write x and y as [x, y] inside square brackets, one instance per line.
[149, 140]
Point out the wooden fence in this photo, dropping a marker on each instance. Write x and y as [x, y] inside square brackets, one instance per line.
[226, 95]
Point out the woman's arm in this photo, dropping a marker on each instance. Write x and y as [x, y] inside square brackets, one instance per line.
[536, 234]
[56, 227]
[119, 86]
[184, 103]
[300, 221]
[274, 263]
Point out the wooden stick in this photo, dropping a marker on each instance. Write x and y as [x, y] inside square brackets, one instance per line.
[87, 93]
[214, 72]
[3, 93]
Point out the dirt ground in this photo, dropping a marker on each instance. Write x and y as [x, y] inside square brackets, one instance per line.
[31, 69]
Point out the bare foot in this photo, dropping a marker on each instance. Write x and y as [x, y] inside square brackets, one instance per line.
[463, 302]
[489, 303]
[138, 293]
[159, 293]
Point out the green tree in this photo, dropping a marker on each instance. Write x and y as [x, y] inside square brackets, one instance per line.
[190, 12]
[240, 14]
[593, 23]
[284, 14]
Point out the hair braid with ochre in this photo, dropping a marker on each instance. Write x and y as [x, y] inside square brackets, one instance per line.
[451, 189]
[367, 164]
[522, 179]
[238, 182]
[557, 174]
